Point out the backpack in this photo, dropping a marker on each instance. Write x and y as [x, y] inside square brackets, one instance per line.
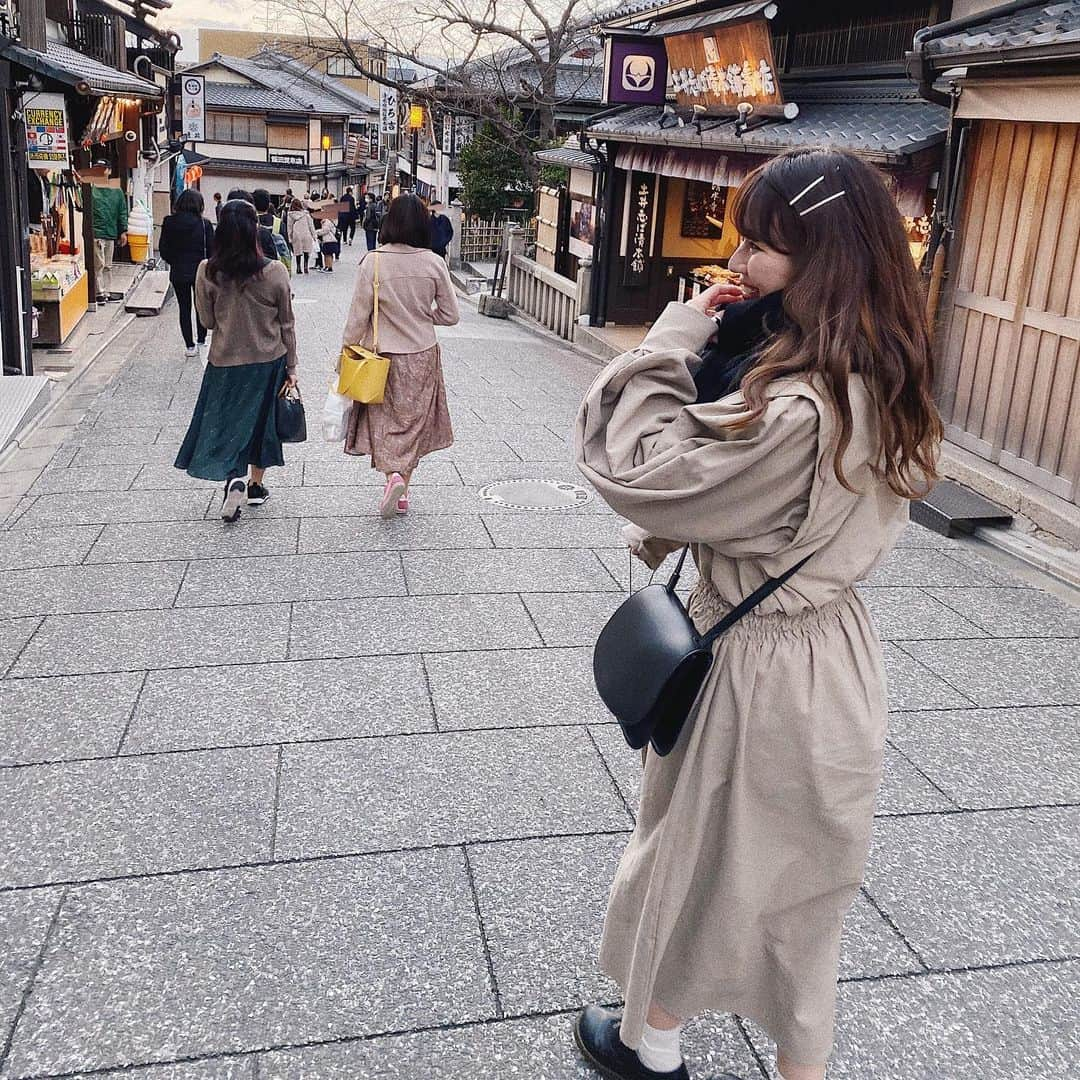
[284, 253]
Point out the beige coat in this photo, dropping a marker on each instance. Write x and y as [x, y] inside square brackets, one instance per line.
[752, 835]
[301, 232]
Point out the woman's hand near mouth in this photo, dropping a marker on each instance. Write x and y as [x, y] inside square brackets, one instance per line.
[716, 296]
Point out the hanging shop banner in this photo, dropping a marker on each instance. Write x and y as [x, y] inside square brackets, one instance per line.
[447, 144]
[720, 67]
[46, 132]
[388, 111]
[193, 108]
[464, 129]
[635, 71]
[642, 215]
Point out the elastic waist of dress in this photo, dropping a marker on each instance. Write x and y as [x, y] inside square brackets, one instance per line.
[707, 607]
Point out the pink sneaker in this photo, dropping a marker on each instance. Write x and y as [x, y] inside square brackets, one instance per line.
[394, 490]
[403, 504]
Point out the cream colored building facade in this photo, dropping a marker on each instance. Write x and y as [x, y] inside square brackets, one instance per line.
[317, 53]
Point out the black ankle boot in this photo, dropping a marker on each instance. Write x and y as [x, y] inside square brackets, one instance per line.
[597, 1036]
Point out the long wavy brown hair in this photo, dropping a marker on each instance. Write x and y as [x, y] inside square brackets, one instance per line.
[853, 306]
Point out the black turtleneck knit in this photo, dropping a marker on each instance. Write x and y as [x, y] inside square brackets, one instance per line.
[744, 329]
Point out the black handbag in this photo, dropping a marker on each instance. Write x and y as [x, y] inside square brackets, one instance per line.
[650, 662]
[289, 415]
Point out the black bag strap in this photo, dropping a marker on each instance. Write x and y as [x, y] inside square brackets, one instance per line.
[736, 613]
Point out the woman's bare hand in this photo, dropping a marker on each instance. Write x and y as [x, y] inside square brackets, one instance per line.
[716, 296]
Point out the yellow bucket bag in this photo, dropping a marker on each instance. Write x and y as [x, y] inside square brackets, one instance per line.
[362, 372]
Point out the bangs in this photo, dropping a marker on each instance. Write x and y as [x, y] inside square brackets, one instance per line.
[758, 214]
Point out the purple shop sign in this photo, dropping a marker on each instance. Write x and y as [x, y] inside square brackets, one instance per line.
[635, 71]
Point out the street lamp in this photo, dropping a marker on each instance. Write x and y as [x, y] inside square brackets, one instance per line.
[325, 163]
[416, 122]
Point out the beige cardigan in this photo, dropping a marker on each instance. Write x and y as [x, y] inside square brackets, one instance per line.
[415, 296]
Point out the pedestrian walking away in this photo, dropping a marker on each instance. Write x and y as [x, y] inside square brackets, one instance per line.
[267, 244]
[246, 300]
[371, 221]
[808, 436]
[346, 221]
[328, 244]
[217, 207]
[415, 296]
[187, 239]
[442, 231]
[264, 208]
[110, 231]
[301, 235]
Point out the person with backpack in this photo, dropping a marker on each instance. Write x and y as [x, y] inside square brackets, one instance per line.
[346, 219]
[329, 245]
[265, 211]
[246, 299]
[187, 238]
[266, 237]
[371, 221]
[301, 235]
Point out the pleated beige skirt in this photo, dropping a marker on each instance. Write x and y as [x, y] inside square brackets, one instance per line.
[413, 419]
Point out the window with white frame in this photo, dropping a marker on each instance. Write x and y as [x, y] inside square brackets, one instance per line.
[343, 67]
[236, 128]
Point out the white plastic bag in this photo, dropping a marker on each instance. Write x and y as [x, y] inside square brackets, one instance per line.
[335, 414]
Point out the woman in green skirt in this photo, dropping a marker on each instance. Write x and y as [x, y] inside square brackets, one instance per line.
[245, 299]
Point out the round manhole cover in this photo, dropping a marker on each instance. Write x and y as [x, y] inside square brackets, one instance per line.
[535, 494]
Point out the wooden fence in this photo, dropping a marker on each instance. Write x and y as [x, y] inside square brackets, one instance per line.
[480, 240]
[541, 293]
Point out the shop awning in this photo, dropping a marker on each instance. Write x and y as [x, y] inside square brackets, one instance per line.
[705, 20]
[569, 156]
[886, 132]
[82, 73]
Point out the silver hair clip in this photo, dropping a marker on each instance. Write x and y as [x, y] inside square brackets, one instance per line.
[809, 187]
[829, 199]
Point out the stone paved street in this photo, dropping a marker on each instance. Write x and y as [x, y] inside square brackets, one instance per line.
[323, 796]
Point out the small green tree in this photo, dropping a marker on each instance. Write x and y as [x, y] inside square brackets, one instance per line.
[488, 168]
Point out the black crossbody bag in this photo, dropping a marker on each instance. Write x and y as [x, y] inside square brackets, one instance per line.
[650, 662]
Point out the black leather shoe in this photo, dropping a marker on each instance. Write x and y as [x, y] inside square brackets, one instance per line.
[597, 1035]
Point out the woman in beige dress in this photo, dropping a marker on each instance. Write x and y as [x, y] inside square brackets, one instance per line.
[752, 834]
[301, 235]
[415, 296]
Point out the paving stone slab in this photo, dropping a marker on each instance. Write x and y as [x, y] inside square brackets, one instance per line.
[375, 627]
[250, 959]
[315, 502]
[85, 478]
[514, 688]
[111, 507]
[985, 888]
[870, 948]
[26, 549]
[467, 500]
[569, 620]
[94, 819]
[371, 533]
[168, 478]
[58, 718]
[478, 473]
[542, 903]
[14, 485]
[14, 634]
[624, 763]
[231, 1068]
[904, 790]
[626, 569]
[1006, 671]
[540, 1049]
[120, 434]
[504, 570]
[24, 923]
[284, 578]
[137, 640]
[357, 472]
[1010, 612]
[987, 563]
[904, 612]
[1004, 1024]
[441, 789]
[66, 590]
[926, 566]
[122, 454]
[555, 530]
[268, 703]
[987, 758]
[473, 450]
[25, 459]
[151, 541]
[912, 686]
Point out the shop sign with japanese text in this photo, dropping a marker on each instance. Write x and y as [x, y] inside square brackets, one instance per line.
[46, 132]
[724, 65]
[388, 111]
[640, 230]
[193, 108]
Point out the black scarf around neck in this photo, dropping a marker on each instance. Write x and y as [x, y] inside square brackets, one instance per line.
[745, 328]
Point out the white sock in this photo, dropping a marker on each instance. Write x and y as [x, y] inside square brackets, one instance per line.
[659, 1049]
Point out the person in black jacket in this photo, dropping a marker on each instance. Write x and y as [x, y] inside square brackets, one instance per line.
[186, 239]
[442, 231]
[346, 219]
[266, 237]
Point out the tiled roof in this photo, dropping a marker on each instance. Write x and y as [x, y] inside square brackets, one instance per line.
[247, 96]
[99, 76]
[286, 72]
[289, 91]
[1040, 24]
[570, 155]
[879, 131]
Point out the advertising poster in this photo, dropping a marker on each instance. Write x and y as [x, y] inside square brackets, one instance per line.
[582, 225]
[46, 132]
[193, 108]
